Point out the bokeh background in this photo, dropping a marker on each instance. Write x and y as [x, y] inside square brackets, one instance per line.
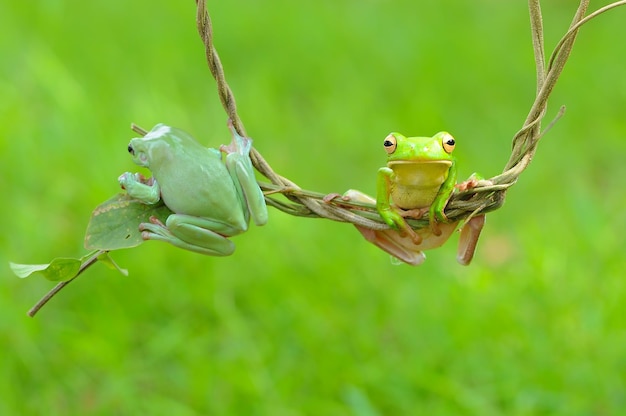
[306, 318]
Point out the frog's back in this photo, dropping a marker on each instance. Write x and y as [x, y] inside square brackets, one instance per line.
[196, 182]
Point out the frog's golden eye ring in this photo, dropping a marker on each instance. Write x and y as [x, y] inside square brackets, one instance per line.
[390, 144]
[447, 142]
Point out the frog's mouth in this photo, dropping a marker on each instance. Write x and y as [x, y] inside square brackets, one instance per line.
[404, 163]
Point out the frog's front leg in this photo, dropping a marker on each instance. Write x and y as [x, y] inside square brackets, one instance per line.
[436, 211]
[202, 235]
[146, 191]
[391, 216]
[240, 169]
[390, 241]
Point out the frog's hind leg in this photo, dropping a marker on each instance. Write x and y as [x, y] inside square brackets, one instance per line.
[469, 238]
[182, 232]
[393, 243]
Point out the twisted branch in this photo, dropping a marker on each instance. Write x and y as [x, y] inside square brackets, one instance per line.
[487, 196]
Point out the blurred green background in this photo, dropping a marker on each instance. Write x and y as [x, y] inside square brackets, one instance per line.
[307, 318]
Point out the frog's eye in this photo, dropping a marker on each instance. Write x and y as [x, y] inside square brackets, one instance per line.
[390, 144]
[131, 150]
[448, 142]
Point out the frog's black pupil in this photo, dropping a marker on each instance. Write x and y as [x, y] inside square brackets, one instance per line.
[450, 142]
[131, 150]
[388, 143]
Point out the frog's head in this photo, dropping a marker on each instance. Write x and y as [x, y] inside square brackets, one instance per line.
[153, 147]
[419, 149]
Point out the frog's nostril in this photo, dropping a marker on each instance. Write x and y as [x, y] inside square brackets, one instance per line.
[131, 150]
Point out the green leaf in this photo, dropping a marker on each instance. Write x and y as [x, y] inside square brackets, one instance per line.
[115, 223]
[58, 270]
[106, 259]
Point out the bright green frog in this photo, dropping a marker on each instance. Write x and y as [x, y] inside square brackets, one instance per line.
[419, 178]
[212, 197]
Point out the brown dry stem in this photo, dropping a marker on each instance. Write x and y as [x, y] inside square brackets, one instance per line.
[487, 196]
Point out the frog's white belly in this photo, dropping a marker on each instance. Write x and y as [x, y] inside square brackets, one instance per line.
[415, 184]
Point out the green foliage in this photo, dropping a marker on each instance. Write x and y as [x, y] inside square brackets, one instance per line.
[64, 269]
[115, 223]
[307, 318]
[58, 270]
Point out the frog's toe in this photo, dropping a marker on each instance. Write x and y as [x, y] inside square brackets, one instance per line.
[405, 230]
[415, 237]
[156, 221]
[155, 226]
[434, 228]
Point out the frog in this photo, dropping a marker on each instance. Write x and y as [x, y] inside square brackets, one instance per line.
[212, 193]
[419, 178]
